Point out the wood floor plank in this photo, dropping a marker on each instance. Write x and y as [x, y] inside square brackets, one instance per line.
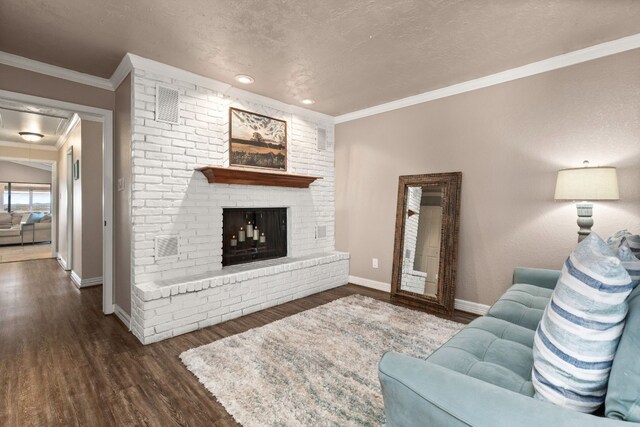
[62, 362]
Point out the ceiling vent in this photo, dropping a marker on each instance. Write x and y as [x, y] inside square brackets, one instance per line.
[321, 139]
[166, 247]
[167, 105]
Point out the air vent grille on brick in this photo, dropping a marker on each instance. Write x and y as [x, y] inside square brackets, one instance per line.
[321, 231]
[167, 105]
[166, 247]
[321, 139]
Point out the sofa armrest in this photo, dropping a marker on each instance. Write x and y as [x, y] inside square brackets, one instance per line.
[419, 393]
[536, 276]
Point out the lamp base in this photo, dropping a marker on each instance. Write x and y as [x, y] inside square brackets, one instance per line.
[585, 220]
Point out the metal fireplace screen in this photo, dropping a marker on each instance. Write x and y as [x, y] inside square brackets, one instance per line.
[253, 234]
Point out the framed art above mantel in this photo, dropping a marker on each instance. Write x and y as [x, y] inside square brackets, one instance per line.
[257, 141]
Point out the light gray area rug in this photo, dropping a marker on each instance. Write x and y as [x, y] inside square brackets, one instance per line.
[315, 368]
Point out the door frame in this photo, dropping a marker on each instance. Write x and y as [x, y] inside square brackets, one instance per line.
[69, 205]
[106, 118]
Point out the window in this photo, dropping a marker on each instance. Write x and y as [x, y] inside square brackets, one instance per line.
[22, 197]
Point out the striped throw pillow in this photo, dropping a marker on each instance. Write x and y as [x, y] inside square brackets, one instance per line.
[617, 239]
[633, 242]
[630, 262]
[576, 340]
[624, 238]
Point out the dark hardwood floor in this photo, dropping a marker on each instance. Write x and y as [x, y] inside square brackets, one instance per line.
[62, 362]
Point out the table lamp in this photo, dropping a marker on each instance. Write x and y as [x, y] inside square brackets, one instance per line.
[583, 185]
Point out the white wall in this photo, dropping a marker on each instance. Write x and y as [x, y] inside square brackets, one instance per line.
[15, 172]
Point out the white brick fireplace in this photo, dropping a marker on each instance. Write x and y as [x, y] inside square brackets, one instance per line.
[192, 290]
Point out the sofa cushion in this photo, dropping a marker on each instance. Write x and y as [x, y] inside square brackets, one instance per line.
[16, 218]
[491, 350]
[522, 305]
[623, 392]
[5, 218]
[9, 232]
[577, 338]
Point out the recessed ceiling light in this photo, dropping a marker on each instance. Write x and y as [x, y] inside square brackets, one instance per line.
[31, 136]
[308, 101]
[244, 79]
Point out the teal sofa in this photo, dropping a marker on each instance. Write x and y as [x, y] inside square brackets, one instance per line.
[482, 376]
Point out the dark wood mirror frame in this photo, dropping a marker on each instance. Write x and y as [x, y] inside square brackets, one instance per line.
[443, 302]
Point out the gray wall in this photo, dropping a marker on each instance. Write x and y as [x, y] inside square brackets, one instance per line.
[508, 140]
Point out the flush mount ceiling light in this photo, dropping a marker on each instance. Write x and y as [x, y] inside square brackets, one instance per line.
[308, 101]
[244, 79]
[31, 136]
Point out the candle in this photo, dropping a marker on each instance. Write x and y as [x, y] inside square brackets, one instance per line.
[249, 230]
[242, 235]
[256, 233]
[234, 241]
[263, 238]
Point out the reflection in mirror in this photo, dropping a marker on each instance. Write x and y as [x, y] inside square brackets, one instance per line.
[426, 243]
[422, 237]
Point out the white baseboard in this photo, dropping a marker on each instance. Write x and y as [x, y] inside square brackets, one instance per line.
[381, 286]
[462, 305]
[471, 307]
[122, 315]
[62, 262]
[85, 283]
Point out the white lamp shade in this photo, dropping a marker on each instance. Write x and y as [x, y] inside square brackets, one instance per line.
[598, 183]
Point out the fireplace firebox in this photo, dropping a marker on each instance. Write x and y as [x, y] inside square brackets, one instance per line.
[253, 234]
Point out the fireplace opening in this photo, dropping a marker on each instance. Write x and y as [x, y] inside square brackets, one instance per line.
[253, 234]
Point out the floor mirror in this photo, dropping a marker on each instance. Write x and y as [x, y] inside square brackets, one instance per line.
[426, 241]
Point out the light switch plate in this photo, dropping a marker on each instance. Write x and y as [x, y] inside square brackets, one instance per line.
[374, 262]
[120, 184]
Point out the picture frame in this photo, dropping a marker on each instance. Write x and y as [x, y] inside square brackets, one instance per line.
[257, 141]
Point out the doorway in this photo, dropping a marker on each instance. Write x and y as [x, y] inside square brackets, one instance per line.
[105, 117]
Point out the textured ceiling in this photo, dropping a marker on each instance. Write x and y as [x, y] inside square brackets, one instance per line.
[347, 55]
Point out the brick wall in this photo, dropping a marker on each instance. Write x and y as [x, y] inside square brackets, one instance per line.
[170, 198]
[413, 281]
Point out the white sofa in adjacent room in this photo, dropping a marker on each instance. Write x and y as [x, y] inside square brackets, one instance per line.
[35, 226]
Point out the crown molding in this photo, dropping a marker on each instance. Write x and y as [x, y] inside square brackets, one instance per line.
[124, 68]
[54, 71]
[73, 122]
[565, 60]
[131, 62]
[27, 146]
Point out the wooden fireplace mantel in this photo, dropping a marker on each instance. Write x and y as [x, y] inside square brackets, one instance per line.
[252, 177]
